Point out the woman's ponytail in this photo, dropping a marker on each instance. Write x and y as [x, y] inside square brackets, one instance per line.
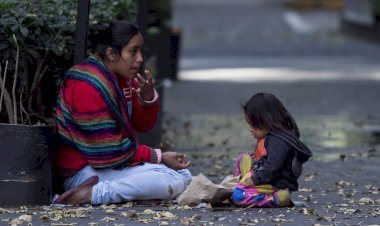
[97, 36]
[116, 35]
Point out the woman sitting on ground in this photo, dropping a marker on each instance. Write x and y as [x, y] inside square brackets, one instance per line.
[102, 101]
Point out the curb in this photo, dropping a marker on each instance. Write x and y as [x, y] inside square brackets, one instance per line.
[314, 4]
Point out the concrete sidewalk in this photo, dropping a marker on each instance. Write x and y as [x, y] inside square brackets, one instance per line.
[203, 119]
[339, 119]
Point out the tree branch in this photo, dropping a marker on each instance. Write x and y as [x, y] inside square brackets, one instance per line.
[7, 98]
[15, 81]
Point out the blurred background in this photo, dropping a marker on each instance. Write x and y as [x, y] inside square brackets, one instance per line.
[274, 27]
[321, 58]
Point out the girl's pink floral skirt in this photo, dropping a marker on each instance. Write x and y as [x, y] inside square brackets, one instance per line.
[258, 195]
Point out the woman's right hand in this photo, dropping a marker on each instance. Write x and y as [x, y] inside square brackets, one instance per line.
[175, 160]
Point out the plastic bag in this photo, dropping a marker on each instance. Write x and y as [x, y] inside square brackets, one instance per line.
[201, 189]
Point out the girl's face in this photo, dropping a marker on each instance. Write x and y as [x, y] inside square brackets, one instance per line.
[128, 64]
[255, 132]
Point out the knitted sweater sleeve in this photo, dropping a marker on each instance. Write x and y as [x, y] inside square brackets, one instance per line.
[104, 146]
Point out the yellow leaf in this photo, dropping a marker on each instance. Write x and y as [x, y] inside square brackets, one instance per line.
[110, 211]
[25, 217]
[364, 201]
[107, 219]
[127, 205]
[129, 214]
[2, 211]
[148, 211]
[168, 215]
[305, 189]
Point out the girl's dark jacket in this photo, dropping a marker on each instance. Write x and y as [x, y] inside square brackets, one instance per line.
[282, 165]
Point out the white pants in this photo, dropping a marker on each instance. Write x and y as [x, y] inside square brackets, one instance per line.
[141, 182]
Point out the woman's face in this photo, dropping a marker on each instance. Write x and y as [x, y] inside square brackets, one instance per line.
[128, 65]
[255, 132]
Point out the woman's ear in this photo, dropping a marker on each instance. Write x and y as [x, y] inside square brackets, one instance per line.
[111, 55]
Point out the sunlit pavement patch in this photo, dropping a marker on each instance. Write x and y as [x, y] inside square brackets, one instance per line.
[340, 132]
[229, 132]
[344, 154]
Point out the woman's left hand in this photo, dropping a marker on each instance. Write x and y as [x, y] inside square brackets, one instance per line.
[146, 86]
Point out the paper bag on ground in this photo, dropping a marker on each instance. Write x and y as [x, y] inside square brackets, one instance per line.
[201, 189]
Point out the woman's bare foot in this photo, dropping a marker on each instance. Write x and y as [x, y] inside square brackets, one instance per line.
[79, 195]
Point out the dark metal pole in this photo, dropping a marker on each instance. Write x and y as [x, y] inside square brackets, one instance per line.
[142, 21]
[81, 30]
[142, 16]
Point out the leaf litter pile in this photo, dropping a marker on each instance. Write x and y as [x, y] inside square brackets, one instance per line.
[340, 192]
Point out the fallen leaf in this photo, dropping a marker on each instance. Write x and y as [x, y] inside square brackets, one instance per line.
[108, 219]
[343, 205]
[365, 201]
[165, 215]
[145, 221]
[129, 214]
[278, 220]
[16, 221]
[45, 218]
[309, 177]
[222, 218]
[2, 211]
[196, 217]
[305, 189]
[209, 207]
[63, 224]
[25, 217]
[109, 211]
[306, 211]
[341, 192]
[326, 218]
[347, 211]
[185, 221]
[148, 211]
[127, 205]
[344, 183]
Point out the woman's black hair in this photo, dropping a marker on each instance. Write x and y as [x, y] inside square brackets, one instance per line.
[265, 111]
[116, 35]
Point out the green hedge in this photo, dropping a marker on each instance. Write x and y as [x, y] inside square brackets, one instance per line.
[45, 31]
[376, 7]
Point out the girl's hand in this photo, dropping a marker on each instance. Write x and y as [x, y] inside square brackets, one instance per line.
[175, 160]
[146, 86]
[247, 180]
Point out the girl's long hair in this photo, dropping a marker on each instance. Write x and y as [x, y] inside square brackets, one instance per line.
[265, 111]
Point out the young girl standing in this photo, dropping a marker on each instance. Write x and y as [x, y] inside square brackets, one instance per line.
[270, 174]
